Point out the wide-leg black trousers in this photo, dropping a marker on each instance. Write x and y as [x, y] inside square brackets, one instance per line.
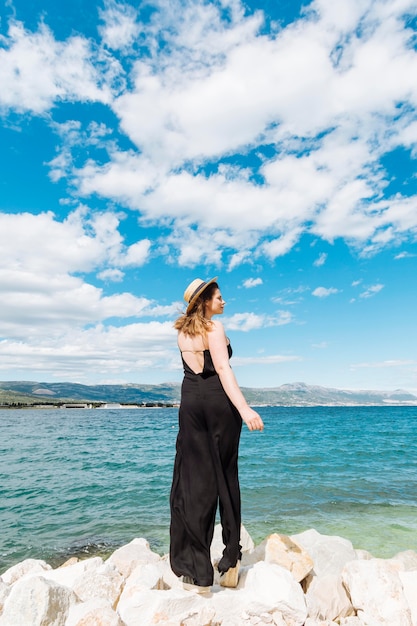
[205, 476]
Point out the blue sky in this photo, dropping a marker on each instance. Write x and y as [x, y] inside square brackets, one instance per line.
[272, 144]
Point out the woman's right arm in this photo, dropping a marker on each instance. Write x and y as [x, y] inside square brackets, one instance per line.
[217, 344]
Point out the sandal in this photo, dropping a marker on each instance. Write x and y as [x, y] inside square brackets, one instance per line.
[189, 584]
[230, 578]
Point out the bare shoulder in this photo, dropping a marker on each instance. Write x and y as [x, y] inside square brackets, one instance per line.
[217, 327]
[216, 337]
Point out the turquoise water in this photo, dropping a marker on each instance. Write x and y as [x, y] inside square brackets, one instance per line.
[86, 481]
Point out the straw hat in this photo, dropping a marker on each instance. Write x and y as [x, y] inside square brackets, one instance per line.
[195, 289]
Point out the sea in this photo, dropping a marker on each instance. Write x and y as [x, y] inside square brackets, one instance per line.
[79, 482]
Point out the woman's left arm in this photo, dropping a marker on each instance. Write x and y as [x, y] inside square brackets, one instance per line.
[217, 344]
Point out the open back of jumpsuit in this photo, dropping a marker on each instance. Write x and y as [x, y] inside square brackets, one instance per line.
[205, 475]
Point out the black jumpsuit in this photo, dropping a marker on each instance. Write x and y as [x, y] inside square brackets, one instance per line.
[205, 474]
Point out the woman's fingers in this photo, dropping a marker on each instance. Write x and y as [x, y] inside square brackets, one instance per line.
[255, 424]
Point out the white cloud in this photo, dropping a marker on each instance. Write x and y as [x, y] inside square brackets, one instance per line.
[232, 141]
[82, 242]
[91, 355]
[53, 323]
[290, 296]
[245, 321]
[404, 255]
[271, 359]
[251, 321]
[324, 292]
[136, 254]
[210, 87]
[390, 363]
[252, 282]
[371, 291]
[127, 178]
[320, 346]
[281, 245]
[37, 305]
[112, 275]
[238, 257]
[321, 260]
[230, 105]
[42, 297]
[36, 70]
[120, 27]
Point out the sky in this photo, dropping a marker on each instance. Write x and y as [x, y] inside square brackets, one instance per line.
[272, 144]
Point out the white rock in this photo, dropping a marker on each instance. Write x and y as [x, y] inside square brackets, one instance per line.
[95, 612]
[329, 553]
[271, 587]
[104, 582]
[377, 593]
[143, 578]
[278, 620]
[327, 599]
[135, 553]
[170, 608]
[406, 560]
[36, 601]
[282, 550]
[203, 617]
[170, 580]
[351, 621]
[246, 540]
[364, 555]
[69, 574]
[136, 587]
[229, 605]
[409, 583]
[344, 621]
[4, 592]
[28, 566]
[263, 588]
[217, 545]
[319, 622]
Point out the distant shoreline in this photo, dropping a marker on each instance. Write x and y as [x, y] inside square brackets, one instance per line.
[160, 405]
[86, 406]
[34, 394]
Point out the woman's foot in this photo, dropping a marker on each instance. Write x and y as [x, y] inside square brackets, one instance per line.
[231, 577]
[189, 584]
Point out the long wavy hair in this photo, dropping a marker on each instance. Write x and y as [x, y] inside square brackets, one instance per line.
[194, 323]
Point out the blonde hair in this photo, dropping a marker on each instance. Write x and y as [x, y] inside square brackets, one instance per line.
[194, 323]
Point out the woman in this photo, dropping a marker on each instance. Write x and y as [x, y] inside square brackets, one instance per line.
[206, 463]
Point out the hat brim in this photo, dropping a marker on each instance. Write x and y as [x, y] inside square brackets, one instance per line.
[198, 292]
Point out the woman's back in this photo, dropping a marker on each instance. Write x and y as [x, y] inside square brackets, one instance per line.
[192, 351]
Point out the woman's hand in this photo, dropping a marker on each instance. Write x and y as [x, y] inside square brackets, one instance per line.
[252, 419]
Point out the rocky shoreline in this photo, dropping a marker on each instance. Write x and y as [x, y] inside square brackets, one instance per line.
[306, 579]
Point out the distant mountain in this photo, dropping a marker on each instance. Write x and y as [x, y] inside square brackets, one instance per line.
[300, 394]
[56, 392]
[294, 394]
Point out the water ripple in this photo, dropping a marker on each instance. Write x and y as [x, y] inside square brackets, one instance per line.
[74, 478]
